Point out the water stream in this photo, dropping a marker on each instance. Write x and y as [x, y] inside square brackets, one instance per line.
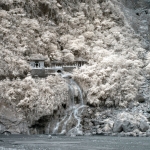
[70, 124]
[79, 90]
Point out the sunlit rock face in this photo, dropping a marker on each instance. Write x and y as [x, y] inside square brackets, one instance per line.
[99, 31]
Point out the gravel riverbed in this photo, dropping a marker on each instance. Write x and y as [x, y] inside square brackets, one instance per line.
[45, 142]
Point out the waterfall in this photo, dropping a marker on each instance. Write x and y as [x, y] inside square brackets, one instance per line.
[77, 130]
[79, 90]
[71, 91]
[64, 130]
[70, 124]
[55, 130]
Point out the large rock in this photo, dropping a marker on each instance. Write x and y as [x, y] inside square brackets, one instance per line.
[107, 128]
[11, 121]
[148, 132]
[2, 128]
[140, 98]
[117, 126]
[128, 126]
[99, 131]
[129, 122]
[144, 126]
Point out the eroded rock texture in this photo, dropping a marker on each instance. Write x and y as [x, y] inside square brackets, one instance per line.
[138, 15]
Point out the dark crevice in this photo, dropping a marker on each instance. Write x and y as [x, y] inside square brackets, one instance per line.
[4, 7]
[64, 106]
[59, 71]
[146, 11]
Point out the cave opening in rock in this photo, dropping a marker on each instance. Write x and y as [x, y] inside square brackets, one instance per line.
[64, 106]
[77, 100]
[146, 12]
[59, 71]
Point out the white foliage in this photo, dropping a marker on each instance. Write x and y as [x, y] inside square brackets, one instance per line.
[35, 97]
[30, 23]
[95, 31]
[110, 76]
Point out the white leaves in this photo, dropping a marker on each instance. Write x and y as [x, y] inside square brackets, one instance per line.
[89, 35]
[42, 95]
[48, 37]
[30, 23]
[69, 57]
[111, 76]
[3, 13]
[92, 32]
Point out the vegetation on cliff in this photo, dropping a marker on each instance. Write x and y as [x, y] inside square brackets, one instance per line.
[95, 30]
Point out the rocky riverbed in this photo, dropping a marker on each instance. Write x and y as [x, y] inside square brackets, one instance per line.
[45, 142]
[112, 35]
[132, 121]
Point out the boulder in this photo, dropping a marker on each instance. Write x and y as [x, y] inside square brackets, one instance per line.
[2, 128]
[148, 118]
[144, 126]
[99, 131]
[11, 121]
[148, 132]
[148, 110]
[140, 98]
[128, 126]
[107, 128]
[137, 132]
[117, 126]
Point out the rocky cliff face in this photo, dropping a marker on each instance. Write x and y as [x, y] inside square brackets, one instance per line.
[100, 31]
[138, 16]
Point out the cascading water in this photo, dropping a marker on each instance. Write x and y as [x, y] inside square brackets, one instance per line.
[71, 91]
[79, 90]
[77, 112]
[71, 123]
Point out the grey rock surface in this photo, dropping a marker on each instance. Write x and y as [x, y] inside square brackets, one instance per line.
[148, 132]
[11, 121]
[137, 13]
[144, 126]
[117, 126]
[140, 98]
[128, 126]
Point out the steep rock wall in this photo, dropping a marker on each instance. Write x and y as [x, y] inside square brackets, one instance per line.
[96, 30]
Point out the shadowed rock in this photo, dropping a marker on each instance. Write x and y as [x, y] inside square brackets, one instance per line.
[140, 98]
[144, 126]
[117, 126]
